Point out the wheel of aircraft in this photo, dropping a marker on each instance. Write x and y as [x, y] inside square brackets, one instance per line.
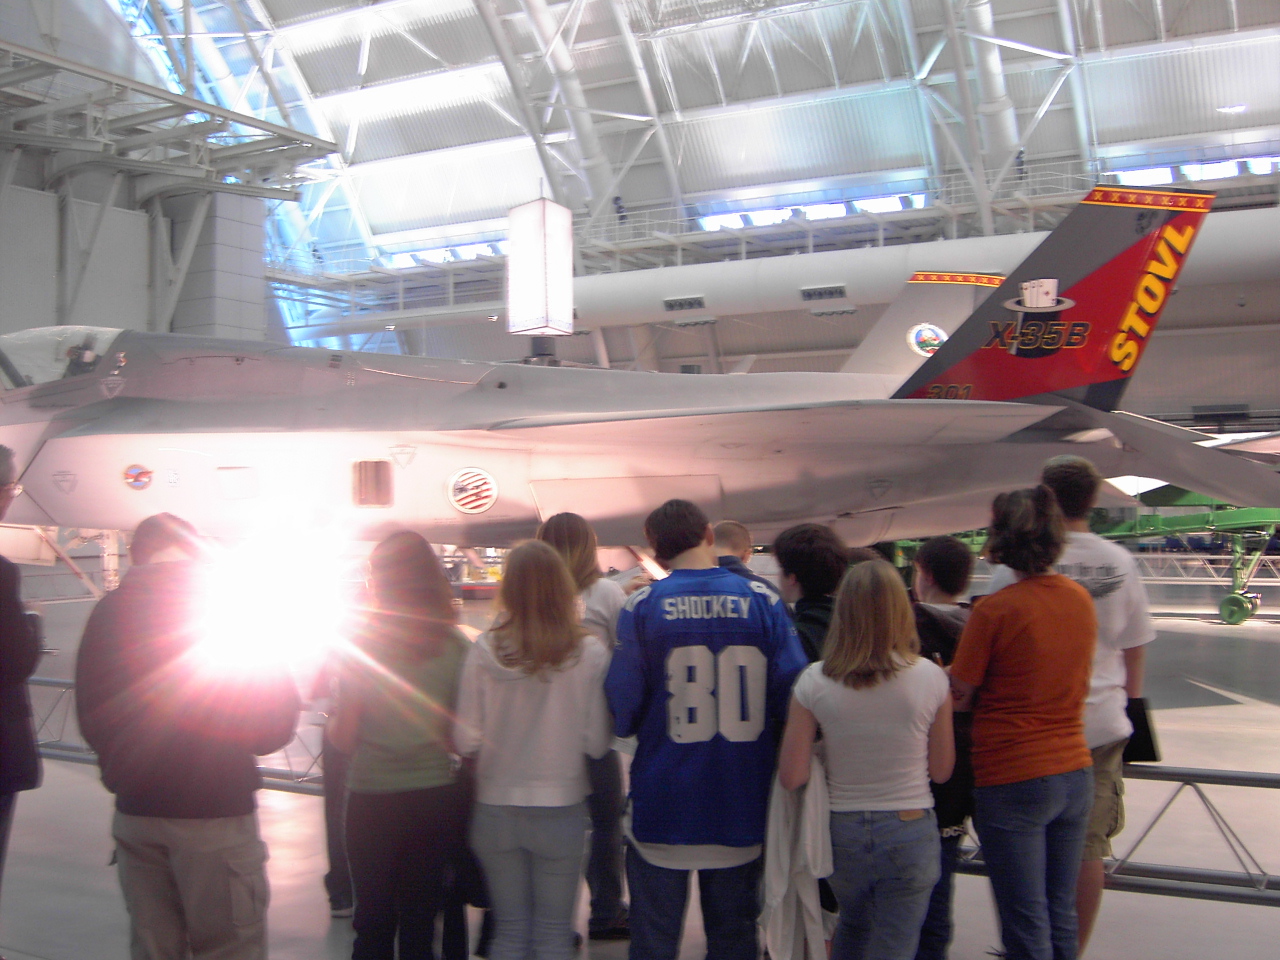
[1236, 608]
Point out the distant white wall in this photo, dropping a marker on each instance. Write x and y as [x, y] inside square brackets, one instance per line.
[1229, 365]
[28, 259]
[114, 291]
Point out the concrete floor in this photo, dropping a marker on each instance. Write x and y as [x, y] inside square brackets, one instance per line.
[1218, 705]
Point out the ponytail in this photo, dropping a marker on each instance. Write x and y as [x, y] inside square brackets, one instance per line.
[1028, 531]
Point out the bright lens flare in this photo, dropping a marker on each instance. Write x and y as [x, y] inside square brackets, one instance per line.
[266, 604]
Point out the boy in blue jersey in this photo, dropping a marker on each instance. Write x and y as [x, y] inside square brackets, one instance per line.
[701, 675]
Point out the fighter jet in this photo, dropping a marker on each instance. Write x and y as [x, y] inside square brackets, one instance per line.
[240, 438]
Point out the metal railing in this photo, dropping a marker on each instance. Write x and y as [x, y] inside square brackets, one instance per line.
[296, 769]
[293, 769]
[1252, 884]
[1200, 568]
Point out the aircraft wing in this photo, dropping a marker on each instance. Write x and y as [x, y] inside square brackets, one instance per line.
[839, 423]
[1264, 449]
[1167, 456]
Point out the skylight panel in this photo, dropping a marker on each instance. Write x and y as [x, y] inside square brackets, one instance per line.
[1151, 177]
[721, 221]
[879, 205]
[825, 211]
[767, 218]
[1211, 171]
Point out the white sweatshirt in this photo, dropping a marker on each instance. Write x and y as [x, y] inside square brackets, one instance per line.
[533, 732]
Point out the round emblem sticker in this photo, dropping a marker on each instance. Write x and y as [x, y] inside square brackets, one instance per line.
[137, 477]
[472, 491]
[925, 339]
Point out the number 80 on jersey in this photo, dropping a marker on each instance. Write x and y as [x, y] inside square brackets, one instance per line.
[716, 693]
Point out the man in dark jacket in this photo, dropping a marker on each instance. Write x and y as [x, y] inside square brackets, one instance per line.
[733, 550]
[19, 654]
[943, 566]
[812, 560]
[176, 732]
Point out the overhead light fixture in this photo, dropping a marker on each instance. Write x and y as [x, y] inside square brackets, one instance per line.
[1234, 108]
[693, 321]
[390, 326]
[828, 311]
[540, 269]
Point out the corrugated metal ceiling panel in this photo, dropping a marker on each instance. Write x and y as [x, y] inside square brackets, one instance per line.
[428, 129]
[454, 186]
[1182, 91]
[771, 143]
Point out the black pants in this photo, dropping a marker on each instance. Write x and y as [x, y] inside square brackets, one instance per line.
[7, 801]
[337, 882]
[399, 845]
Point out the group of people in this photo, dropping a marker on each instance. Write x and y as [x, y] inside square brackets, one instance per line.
[478, 769]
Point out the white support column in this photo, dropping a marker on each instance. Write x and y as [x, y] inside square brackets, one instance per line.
[601, 348]
[632, 48]
[978, 175]
[168, 283]
[596, 166]
[78, 251]
[507, 56]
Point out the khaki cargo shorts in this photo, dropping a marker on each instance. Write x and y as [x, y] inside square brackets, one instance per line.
[1106, 819]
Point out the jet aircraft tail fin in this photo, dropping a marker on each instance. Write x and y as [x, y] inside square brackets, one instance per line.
[1074, 318]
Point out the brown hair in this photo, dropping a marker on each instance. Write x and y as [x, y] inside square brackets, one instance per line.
[675, 527]
[409, 587]
[537, 627]
[575, 541]
[948, 561]
[160, 532]
[1027, 530]
[1075, 482]
[814, 555]
[873, 629]
[732, 535]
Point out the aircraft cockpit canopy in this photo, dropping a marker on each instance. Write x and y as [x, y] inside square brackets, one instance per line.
[45, 354]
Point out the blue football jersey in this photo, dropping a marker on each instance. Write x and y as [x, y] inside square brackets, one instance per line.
[702, 675]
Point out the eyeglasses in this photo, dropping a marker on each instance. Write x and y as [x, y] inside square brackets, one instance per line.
[12, 490]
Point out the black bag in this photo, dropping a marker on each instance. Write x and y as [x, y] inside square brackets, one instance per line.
[1142, 746]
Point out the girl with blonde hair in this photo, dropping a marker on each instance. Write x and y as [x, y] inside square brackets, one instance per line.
[885, 715]
[532, 706]
[601, 601]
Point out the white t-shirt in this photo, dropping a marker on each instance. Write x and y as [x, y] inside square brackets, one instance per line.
[1110, 574]
[602, 602]
[877, 737]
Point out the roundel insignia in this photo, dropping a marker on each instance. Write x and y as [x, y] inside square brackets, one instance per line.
[925, 339]
[472, 491]
[137, 477]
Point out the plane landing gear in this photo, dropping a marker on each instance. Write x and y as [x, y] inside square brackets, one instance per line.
[1247, 551]
[1236, 608]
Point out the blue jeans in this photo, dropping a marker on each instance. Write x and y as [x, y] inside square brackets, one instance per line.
[1032, 835]
[885, 868]
[730, 901]
[604, 862]
[935, 933]
[532, 859]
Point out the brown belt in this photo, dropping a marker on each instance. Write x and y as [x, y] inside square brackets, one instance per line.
[911, 814]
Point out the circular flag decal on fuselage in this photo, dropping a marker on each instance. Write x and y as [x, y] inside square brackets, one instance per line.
[472, 491]
[925, 339]
[137, 477]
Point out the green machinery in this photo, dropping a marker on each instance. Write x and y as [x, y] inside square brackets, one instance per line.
[1249, 530]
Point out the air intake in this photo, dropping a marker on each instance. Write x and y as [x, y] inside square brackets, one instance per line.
[823, 293]
[676, 304]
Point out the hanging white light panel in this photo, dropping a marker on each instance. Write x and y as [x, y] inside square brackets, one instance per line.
[540, 269]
